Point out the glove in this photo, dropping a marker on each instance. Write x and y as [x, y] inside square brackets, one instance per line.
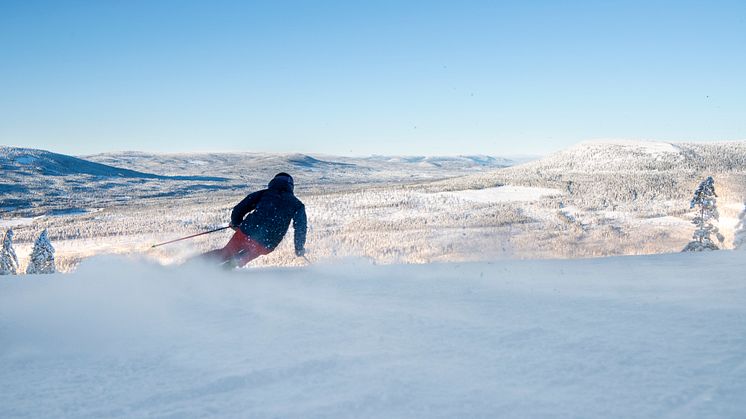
[233, 226]
[300, 252]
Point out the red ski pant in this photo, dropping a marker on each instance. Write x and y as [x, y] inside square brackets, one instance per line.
[241, 249]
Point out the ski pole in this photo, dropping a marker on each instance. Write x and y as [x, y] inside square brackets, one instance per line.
[189, 237]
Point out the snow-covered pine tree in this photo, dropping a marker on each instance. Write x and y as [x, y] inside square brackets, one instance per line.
[42, 257]
[739, 241]
[8, 258]
[706, 203]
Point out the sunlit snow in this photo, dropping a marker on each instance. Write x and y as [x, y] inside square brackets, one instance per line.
[642, 337]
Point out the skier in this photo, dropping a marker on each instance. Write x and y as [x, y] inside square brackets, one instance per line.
[269, 214]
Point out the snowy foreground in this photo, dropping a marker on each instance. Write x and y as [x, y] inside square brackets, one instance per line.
[627, 337]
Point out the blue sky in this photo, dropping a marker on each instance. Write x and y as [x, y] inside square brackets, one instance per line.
[368, 77]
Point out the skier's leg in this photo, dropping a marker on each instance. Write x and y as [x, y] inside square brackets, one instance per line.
[234, 245]
[250, 251]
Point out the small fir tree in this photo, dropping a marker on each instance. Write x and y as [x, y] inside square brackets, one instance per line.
[42, 257]
[705, 202]
[8, 258]
[739, 241]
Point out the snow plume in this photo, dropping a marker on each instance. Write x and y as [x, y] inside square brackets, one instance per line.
[644, 337]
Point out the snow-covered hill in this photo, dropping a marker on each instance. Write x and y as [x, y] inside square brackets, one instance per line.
[630, 157]
[629, 175]
[632, 337]
[636, 156]
[37, 182]
[311, 169]
[32, 162]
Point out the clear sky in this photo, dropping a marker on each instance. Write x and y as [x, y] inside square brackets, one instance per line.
[368, 77]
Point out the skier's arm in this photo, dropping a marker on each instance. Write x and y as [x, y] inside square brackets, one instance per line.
[300, 225]
[244, 207]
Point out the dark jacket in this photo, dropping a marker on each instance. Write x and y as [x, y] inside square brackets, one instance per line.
[269, 214]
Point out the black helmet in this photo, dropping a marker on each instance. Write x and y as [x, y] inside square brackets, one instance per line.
[282, 180]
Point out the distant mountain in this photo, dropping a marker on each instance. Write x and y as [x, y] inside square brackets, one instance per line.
[475, 161]
[310, 168]
[304, 161]
[40, 162]
[41, 182]
[223, 164]
[33, 179]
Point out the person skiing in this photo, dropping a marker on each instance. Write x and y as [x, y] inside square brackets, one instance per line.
[260, 222]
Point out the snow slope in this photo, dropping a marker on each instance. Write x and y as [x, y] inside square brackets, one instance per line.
[644, 337]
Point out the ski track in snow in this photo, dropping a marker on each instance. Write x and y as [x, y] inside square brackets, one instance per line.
[645, 337]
